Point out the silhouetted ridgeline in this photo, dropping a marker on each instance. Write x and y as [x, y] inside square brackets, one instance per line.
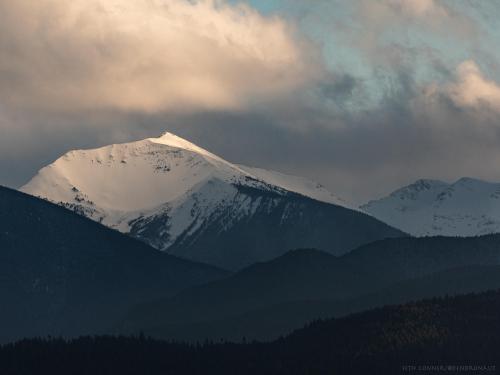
[459, 331]
[63, 274]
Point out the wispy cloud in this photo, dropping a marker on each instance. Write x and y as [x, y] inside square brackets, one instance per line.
[472, 89]
[417, 8]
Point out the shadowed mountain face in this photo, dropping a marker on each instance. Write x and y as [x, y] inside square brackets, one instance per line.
[459, 331]
[61, 273]
[279, 223]
[269, 299]
[184, 200]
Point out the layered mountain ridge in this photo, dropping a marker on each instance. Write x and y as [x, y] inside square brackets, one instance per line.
[269, 299]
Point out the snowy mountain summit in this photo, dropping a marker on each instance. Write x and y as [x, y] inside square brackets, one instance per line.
[172, 194]
[118, 183]
[467, 207]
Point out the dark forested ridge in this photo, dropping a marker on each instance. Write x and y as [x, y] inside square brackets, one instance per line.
[61, 273]
[458, 331]
[269, 322]
[268, 299]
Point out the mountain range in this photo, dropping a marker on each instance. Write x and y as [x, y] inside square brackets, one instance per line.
[180, 198]
[163, 237]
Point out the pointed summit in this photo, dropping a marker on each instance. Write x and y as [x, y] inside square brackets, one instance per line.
[172, 140]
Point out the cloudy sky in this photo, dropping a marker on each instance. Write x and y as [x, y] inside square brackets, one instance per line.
[361, 95]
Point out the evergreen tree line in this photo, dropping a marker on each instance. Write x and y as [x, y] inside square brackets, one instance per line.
[451, 335]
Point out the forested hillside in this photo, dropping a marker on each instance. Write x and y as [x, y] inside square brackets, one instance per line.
[460, 331]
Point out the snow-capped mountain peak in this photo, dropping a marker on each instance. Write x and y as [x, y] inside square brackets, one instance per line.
[466, 207]
[126, 186]
[173, 140]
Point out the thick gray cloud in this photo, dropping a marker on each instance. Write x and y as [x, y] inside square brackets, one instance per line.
[144, 55]
[402, 109]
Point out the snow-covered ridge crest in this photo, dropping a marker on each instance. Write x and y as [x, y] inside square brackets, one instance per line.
[466, 207]
[172, 140]
[122, 184]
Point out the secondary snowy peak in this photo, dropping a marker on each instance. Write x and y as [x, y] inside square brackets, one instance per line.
[466, 207]
[419, 189]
